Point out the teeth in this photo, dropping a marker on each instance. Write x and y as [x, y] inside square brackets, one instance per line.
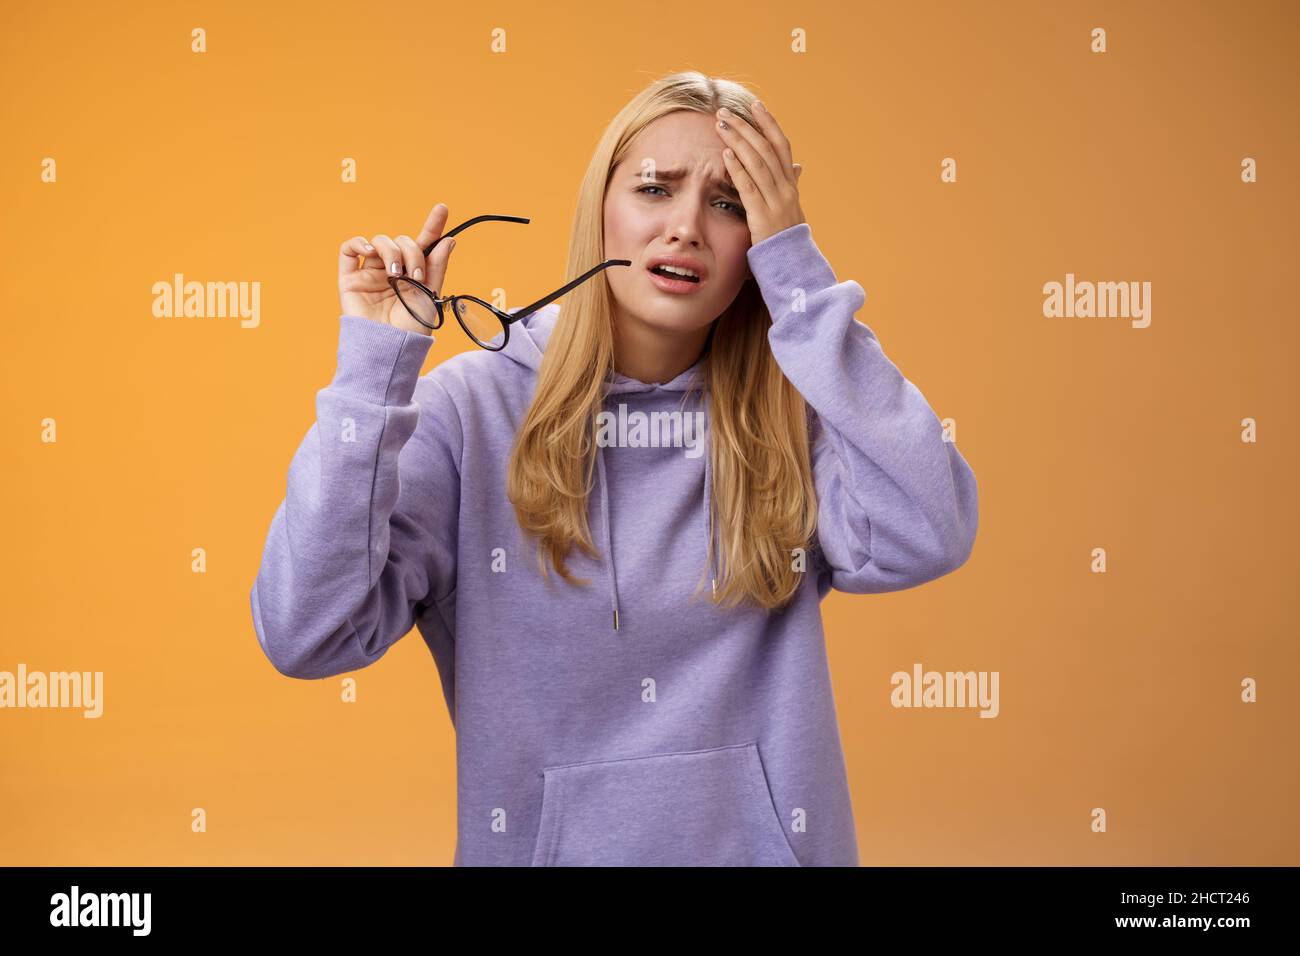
[677, 271]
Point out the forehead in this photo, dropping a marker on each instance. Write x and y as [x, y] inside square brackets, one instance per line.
[684, 138]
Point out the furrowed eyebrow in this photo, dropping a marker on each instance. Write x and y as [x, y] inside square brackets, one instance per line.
[673, 175]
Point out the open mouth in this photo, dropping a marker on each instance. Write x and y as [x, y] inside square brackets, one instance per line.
[661, 271]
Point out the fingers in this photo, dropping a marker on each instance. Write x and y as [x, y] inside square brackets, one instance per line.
[403, 255]
[780, 144]
[755, 152]
[390, 254]
[412, 257]
[352, 251]
[744, 184]
[433, 226]
[436, 264]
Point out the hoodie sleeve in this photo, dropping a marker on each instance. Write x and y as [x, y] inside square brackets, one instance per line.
[366, 532]
[897, 503]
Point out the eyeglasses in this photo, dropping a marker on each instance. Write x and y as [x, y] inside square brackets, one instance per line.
[485, 324]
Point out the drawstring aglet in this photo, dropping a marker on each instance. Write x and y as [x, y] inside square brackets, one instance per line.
[616, 619]
[714, 582]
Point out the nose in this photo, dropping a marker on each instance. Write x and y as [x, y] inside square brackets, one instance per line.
[685, 225]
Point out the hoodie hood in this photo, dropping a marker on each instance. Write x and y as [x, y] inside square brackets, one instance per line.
[528, 340]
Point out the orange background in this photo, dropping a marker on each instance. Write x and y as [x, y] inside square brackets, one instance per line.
[1118, 690]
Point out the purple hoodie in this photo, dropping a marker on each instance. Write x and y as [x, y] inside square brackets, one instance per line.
[630, 721]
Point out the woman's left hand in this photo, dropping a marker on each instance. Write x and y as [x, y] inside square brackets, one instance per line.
[763, 171]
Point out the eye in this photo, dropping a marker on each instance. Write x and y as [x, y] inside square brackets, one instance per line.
[736, 210]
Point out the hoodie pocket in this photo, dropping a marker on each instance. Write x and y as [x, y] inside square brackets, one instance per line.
[693, 808]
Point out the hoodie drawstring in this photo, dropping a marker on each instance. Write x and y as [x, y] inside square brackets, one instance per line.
[609, 537]
[708, 492]
[612, 576]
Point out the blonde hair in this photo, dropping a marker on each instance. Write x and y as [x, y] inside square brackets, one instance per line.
[763, 497]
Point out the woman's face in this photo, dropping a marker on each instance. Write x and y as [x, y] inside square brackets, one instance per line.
[672, 196]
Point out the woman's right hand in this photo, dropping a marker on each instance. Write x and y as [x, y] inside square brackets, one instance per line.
[364, 289]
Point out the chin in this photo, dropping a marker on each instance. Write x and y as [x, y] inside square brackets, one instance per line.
[673, 316]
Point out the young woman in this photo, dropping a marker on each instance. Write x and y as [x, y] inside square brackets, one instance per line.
[670, 702]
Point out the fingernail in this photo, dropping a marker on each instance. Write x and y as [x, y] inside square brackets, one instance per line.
[419, 273]
[369, 247]
[724, 111]
[452, 246]
[759, 106]
[394, 268]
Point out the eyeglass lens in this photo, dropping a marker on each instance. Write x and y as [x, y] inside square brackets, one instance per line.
[482, 324]
[417, 302]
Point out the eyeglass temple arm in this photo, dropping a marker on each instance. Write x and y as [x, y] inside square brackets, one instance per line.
[469, 222]
[542, 303]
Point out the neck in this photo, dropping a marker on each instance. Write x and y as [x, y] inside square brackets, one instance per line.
[653, 355]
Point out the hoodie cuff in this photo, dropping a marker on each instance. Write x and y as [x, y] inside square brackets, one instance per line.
[786, 262]
[377, 362]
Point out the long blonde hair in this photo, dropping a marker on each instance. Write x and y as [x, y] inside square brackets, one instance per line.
[763, 496]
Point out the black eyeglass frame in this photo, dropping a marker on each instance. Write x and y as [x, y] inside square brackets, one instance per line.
[507, 318]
